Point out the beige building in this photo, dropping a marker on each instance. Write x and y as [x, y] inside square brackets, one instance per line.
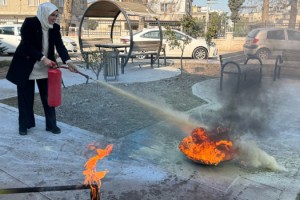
[167, 10]
[171, 10]
[14, 11]
[277, 15]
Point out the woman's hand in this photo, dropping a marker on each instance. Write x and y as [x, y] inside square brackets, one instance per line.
[48, 62]
[72, 67]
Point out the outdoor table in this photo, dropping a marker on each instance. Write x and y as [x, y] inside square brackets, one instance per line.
[113, 46]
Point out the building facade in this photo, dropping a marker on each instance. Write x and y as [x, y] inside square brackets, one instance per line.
[168, 10]
[15, 11]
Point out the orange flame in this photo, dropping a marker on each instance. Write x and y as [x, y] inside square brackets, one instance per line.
[200, 147]
[92, 177]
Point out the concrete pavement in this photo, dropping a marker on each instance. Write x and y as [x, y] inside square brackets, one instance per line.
[147, 164]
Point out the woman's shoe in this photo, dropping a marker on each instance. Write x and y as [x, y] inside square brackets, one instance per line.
[54, 130]
[23, 131]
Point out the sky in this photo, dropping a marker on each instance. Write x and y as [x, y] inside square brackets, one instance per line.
[218, 5]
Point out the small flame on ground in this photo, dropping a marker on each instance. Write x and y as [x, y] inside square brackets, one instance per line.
[201, 147]
[92, 177]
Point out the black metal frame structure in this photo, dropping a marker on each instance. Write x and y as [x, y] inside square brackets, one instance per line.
[112, 9]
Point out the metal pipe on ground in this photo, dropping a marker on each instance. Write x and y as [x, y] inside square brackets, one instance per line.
[96, 195]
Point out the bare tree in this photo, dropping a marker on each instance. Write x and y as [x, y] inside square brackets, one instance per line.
[265, 11]
[293, 14]
[67, 16]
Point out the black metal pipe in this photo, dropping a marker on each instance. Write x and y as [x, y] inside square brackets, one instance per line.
[43, 189]
[82, 74]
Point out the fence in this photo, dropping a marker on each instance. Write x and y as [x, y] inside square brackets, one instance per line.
[241, 29]
[11, 21]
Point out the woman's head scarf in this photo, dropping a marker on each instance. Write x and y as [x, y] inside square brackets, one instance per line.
[44, 11]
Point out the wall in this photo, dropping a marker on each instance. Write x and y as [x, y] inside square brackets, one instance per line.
[230, 43]
[20, 9]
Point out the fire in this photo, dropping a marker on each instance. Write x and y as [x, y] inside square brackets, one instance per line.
[92, 177]
[202, 147]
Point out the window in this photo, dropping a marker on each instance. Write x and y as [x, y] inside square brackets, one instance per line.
[31, 3]
[164, 7]
[293, 35]
[82, 4]
[3, 2]
[7, 30]
[275, 35]
[151, 34]
[61, 3]
[253, 33]
[19, 30]
[167, 7]
[180, 36]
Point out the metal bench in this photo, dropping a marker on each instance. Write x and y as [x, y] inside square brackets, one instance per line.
[88, 47]
[237, 64]
[140, 48]
[288, 58]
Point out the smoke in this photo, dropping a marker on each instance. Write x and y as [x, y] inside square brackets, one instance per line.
[249, 110]
[250, 155]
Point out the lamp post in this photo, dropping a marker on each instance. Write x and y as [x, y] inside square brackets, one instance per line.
[206, 17]
[208, 3]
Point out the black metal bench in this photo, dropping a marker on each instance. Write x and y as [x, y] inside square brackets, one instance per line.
[141, 48]
[288, 58]
[237, 64]
[88, 47]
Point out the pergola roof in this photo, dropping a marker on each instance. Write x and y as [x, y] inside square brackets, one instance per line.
[110, 9]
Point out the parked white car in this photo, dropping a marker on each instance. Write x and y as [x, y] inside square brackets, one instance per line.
[10, 38]
[197, 49]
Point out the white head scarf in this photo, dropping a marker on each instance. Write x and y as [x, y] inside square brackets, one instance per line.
[44, 11]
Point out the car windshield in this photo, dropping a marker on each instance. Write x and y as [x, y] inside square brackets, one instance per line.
[253, 33]
[7, 30]
[151, 34]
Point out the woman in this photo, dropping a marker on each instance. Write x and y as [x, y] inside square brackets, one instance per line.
[31, 61]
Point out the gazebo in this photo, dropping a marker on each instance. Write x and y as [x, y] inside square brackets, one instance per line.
[111, 10]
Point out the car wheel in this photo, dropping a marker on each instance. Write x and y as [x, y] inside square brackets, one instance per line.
[200, 53]
[263, 53]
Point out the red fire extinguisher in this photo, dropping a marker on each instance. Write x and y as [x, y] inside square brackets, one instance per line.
[54, 87]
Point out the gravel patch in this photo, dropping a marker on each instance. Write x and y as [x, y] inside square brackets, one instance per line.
[96, 108]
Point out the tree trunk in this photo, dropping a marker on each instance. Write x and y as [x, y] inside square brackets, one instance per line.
[141, 23]
[66, 17]
[265, 12]
[293, 14]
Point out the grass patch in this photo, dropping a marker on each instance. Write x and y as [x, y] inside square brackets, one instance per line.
[4, 63]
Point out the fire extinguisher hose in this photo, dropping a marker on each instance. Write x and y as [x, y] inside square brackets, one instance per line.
[78, 72]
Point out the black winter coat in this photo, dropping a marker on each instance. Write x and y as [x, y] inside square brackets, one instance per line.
[30, 50]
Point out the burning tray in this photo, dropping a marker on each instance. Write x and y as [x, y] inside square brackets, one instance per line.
[207, 148]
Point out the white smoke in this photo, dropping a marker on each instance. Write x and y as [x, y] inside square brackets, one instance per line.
[250, 155]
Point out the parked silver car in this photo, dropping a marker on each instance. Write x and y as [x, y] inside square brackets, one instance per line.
[264, 42]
